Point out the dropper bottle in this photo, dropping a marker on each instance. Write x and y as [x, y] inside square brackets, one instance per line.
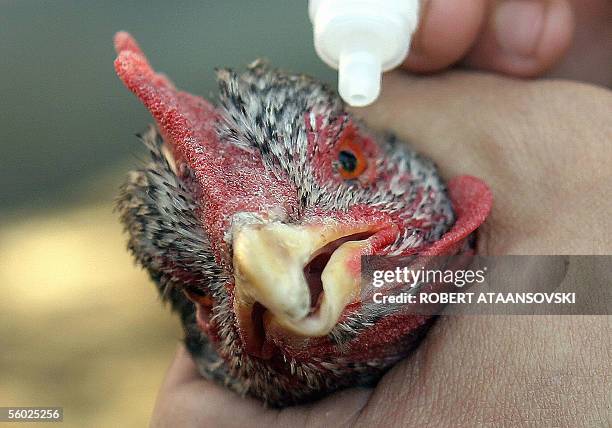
[362, 39]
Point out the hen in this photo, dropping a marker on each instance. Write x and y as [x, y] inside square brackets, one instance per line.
[252, 217]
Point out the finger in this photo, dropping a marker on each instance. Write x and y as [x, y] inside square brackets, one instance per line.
[182, 369]
[447, 30]
[589, 58]
[186, 399]
[523, 37]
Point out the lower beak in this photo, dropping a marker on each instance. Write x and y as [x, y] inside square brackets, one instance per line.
[304, 275]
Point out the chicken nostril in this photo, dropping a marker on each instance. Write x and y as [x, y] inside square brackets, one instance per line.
[313, 270]
[257, 322]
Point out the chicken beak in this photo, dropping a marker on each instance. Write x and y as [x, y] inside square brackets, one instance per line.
[269, 262]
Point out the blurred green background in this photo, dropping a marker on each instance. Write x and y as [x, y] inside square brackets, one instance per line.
[80, 325]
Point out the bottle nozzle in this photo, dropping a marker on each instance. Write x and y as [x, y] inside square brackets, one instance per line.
[359, 76]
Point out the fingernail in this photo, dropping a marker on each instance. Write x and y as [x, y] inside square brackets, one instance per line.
[518, 26]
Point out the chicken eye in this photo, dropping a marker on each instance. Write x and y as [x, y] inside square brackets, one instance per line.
[348, 161]
[351, 163]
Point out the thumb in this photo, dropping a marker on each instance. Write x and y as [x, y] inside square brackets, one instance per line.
[518, 37]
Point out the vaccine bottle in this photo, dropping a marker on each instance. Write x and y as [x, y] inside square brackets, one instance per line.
[362, 39]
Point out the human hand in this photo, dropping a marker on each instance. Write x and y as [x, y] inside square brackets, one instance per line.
[573, 38]
[544, 149]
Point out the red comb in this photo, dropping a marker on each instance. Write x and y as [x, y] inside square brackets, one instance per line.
[125, 42]
[184, 120]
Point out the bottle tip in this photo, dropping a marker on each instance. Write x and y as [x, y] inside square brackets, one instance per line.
[359, 76]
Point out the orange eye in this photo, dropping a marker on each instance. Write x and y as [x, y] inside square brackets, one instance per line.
[351, 160]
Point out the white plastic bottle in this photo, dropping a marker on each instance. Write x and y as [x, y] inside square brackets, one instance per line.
[362, 38]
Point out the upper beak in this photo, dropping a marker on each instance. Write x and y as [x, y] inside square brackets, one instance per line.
[269, 264]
